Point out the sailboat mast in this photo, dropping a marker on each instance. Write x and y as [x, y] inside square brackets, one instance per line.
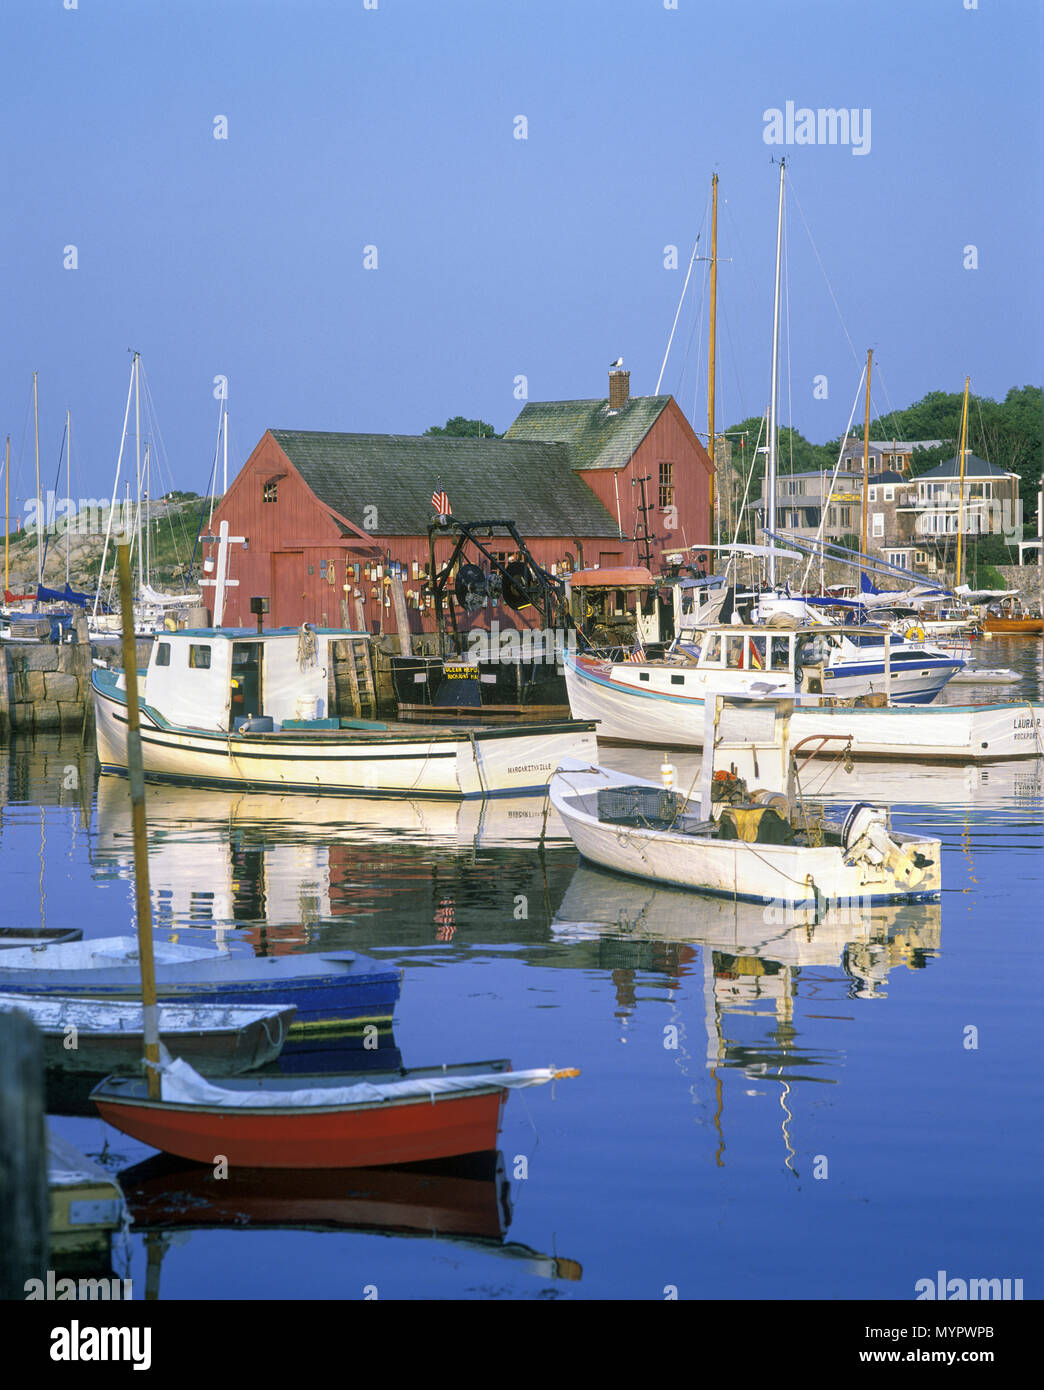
[137, 453]
[771, 481]
[960, 486]
[39, 499]
[713, 338]
[148, 517]
[224, 468]
[7, 519]
[68, 489]
[866, 463]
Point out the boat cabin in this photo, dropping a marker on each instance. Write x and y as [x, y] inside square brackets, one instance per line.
[730, 657]
[217, 678]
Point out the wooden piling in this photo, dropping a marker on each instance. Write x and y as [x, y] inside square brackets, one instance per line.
[24, 1224]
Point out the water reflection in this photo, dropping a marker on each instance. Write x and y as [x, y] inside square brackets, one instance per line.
[295, 862]
[465, 1201]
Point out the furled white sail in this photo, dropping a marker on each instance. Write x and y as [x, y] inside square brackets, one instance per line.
[150, 595]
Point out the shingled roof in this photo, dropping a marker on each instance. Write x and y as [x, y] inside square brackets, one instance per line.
[531, 484]
[597, 436]
[974, 467]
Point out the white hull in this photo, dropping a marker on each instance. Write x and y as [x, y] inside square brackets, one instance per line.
[451, 763]
[965, 733]
[761, 873]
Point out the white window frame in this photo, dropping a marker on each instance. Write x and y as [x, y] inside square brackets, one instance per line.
[877, 525]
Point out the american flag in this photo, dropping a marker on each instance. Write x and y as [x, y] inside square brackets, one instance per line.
[440, 502]
[638, 652]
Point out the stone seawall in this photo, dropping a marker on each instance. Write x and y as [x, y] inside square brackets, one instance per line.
[46, 686]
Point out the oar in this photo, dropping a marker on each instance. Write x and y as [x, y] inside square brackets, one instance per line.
[136, 779]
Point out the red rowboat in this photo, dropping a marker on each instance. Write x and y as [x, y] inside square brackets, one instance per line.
[319, 1121]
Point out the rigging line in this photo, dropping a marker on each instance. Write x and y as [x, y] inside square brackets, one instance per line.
[826, 277]
[818, 541]
[892, 412]
[697, 323]
[57, 479]
[743, 503]
[681, 297]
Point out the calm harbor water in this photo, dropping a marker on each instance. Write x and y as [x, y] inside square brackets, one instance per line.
[768, 1108]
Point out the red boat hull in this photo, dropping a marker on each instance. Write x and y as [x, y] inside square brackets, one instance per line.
[360, 1137]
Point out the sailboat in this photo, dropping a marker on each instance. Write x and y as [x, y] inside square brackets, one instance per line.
[152, 608]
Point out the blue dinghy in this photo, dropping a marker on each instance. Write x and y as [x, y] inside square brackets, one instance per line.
[332, 990]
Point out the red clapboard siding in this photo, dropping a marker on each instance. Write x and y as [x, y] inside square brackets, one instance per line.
[299, 557]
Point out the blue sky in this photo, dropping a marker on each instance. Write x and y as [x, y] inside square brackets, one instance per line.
[500, 257]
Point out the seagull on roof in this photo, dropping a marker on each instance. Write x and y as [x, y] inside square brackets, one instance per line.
[617, 363]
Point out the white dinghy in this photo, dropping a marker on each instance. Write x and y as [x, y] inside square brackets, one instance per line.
[745, 833]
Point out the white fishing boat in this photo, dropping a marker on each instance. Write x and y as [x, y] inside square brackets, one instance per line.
[745, 833]
[235, 708]
[662, 704]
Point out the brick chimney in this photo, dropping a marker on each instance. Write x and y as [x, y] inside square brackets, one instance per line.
[619, 389]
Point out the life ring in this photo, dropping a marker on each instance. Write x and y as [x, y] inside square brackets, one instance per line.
[914, 634]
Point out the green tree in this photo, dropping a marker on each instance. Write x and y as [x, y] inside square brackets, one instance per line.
[461, 428]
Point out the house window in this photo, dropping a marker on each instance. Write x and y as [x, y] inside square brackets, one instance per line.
[889, 493]
[877, 522]
[666, 484]
[921, 557]
[199, 658]
[872, 494]
[270, 491]
[163, 654]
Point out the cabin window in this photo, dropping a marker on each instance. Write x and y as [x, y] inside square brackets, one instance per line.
[199, 657]
[677, 680]
[270, 492]
[163, 654]
[643, 675]
[712, 650]
[666, 484]
[758, 657]
[781, 653]
[734, 653]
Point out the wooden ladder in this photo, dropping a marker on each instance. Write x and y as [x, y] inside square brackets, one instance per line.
[351, 679]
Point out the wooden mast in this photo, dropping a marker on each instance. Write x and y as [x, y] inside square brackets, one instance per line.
[716, 532]
[866, 463]
[136, 779]
[960, 485]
